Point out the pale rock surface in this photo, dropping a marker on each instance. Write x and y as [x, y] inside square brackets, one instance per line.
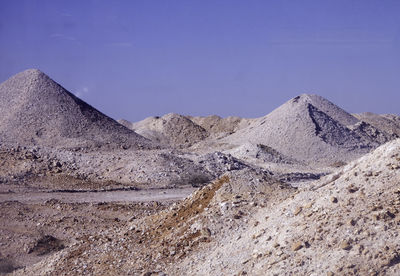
[248, 223]
[315, 129]
[171, 129]
[38, 111]
[279, 195]
[346, 223]
[218, 126]
[389, 123]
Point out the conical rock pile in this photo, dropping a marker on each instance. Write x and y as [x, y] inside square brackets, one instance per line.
[38, 111]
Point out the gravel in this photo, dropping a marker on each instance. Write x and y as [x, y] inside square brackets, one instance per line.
[38, 111]
[308, 189]
[171, 129]
[311, 129]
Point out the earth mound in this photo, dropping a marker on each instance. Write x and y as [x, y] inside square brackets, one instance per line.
[332, 110]
[260, 152]
[388, 123]
[247, 223]
[38, 111]
[171, 129]
[217, 125]
[344, 224]
[310, 128]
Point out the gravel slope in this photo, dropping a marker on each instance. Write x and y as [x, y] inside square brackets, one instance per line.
[248, 223]
[218, 126]
[38, 111]
[389, 123]
[309, 128]
[258, 209]
[171, 129]
[344, 224]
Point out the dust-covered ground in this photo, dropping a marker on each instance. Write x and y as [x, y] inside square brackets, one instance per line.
[308, 189]
[245, 222]
[35, 226]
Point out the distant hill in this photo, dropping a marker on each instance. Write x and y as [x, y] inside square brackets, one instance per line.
[389, 123]
[171, 129]
[216, 125]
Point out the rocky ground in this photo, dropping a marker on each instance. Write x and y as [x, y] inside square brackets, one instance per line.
[308, 189]
[347, 223]
[33, 231]
[246, 222]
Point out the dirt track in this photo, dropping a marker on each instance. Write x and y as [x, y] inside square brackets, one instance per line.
[108, 196]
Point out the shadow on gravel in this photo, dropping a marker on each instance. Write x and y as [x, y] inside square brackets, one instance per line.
[45, 245]
[7, 266]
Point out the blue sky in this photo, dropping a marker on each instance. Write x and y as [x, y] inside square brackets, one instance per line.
[134, 59]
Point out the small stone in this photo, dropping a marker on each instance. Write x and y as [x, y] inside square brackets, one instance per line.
[360, 248]
[309, 205]
[297, 211]
[389, 214]
[394, 167]
[297, 246]
[345, 245]
[334, 199]
[369, 173]
[206, 232]
[256, 236]
[352, 189]
[351, 222]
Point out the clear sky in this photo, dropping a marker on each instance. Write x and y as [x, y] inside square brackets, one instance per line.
[134, 59]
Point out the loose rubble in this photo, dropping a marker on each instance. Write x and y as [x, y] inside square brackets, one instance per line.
[308, 189]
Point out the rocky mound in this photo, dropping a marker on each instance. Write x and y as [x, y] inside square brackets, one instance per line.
[38, 111]
[247, 223]
[216, 125]
[345, 224]
[261, 152]
[171, 129]
[44, 168]
[310, 128]
[388, 123]
[327, 107]
[149, 245]
[125, 123]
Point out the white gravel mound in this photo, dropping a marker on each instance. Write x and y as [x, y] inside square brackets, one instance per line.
[344, 224]
[218, 126]
[389, 123]
[38, 111]
[171, 129]
[310, 128]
